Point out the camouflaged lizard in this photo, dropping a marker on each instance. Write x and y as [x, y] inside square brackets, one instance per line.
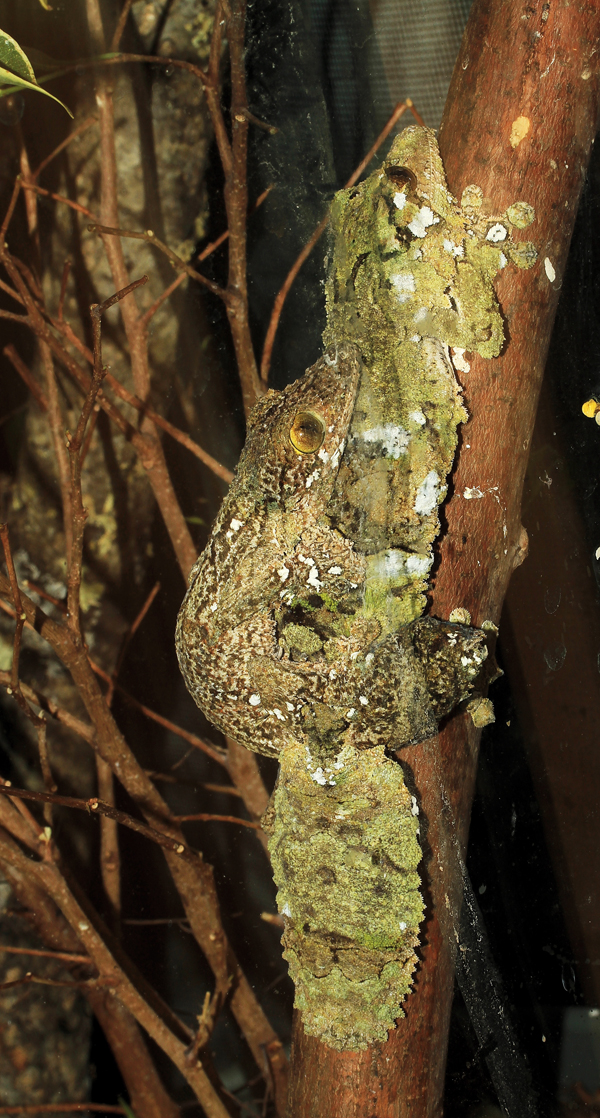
[302, 633]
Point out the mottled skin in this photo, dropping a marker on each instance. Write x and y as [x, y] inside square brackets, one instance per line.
[301, 634]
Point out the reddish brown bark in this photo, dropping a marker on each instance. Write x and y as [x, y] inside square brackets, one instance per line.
[533, 65]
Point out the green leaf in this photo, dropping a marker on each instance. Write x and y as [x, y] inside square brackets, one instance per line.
[14, 83]
[15, 59]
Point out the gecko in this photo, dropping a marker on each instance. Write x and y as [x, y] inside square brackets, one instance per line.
[303, 633]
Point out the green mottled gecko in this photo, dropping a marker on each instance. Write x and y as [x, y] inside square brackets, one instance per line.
[302, 633]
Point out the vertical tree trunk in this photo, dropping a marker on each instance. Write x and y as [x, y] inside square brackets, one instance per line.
[519, 121]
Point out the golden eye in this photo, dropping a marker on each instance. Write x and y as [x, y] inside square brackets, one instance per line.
[402, 176]
[307, 432]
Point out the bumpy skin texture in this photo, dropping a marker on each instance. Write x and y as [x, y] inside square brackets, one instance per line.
[301, 634]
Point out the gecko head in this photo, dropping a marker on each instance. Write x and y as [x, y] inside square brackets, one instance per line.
[296, 437]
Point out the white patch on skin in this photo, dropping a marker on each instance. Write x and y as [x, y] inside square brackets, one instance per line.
[393, 438]
[362, 699]
[458, 360]
[418, 564]
[427, 494]
[333, 674]
[415, 807]
[404, 285]
[254, 700]
[338, 765]
[496, 233]
[399, 200]
[285, 910]
[549, 270]
[464, 661]
[416, 338]
[337, 454]
[290, 706]
[283, 572]
[388, 565]
[402, 925]
[454, 250]
[334, 571]
[318, 776]
[502, 261]
[312, 477]
[213, 607]
[417, 417]
[350, 713]
[472, 494]
[313, 578]
[323, 455]
[279, 715]
[421, 315]
[305, 559]
[421, 222]
[236, 524]
[369, 657]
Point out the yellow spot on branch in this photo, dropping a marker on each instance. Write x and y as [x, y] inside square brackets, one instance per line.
[520, 128]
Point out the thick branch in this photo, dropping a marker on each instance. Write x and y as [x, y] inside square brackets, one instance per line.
[545, 86]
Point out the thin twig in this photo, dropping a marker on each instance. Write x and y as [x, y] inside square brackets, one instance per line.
[20, 618]
[211, 750]
[84, 729]
[47, 777]
[32, 186]
[150, 238]
[203, 817]
[136, 333]
[9, 291]
[152, 309]
[77, 512]
[94, 806]
[206, 252]
[63, 1108]
[85, 124]
[110, 855]
[30, 979]
[28, 377]
[63, 288]
[87, 732]
[127, 638]
[11, 209]
[57, 430]
[283, 292]
[135, 402]
[213, 92]
[236, 204]
[61, 956]
[123, 57]
[119, 29]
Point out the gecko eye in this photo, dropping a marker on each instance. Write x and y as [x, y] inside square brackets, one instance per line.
[402, 176]
[307, 432]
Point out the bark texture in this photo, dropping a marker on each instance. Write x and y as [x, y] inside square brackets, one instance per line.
[530, 142]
